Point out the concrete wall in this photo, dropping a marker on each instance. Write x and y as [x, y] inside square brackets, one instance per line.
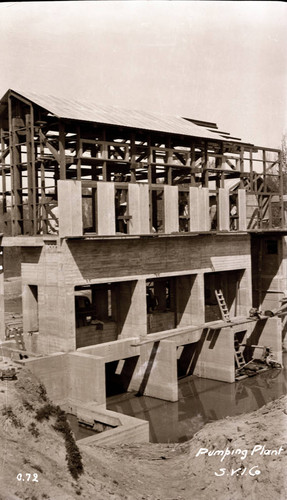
[85, 261]
[61, 266]
[156, 371]
[86, 378]
[78, 376]
[267, 333]
[215, 355]
[113, 351]
[90, 335]
[53, 372]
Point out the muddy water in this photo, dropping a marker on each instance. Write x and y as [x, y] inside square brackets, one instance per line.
[201, 401]
[79, 431]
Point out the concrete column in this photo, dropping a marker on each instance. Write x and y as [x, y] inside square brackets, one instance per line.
[106, 224]
[194, 208]
[156, 371]
[138, 206]
[204, 218]
[199, 209]
[197, 299]
[215, 355]
[131, 310]
[30, 306]
[70, 208]
[241, 207]
[244, 297]
[183, 300]
[223, 210]
[87, 378]
[171, 210]
[268, 333]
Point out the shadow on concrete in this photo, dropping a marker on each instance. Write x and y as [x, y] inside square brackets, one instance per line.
[119, 375]
[190, 354]
[148, 369]
[254, 339]
[212, 337]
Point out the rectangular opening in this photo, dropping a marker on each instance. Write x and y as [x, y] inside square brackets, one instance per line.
[102, 312]
[95, 315]
[32, 304]
[271, 247]
[213, 212]
[161, 304]
[89, 209]
[121, 210]
[233, 210]
[228, 282]
[119, 374]
[157, 210]
[183, 206]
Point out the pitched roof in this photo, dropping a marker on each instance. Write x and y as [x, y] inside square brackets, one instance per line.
[114, 115]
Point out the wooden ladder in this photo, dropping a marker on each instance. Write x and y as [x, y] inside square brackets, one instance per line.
[222, 305]
[239, 358]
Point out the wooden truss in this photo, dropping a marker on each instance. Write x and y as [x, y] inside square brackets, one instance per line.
[38, 149]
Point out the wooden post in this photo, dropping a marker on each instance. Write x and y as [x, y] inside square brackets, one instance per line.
[133, 159]
[205, 165]
[16, 182]
[62, 140]
[43, 224]
[192, 165]
[31, 173]
[281, 191]
[2, 304]
[3, 174]
[79, 153]
[104, 153]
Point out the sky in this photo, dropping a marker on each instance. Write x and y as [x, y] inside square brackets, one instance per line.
[224, 62]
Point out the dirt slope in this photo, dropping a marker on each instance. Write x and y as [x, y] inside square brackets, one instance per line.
[138, 472]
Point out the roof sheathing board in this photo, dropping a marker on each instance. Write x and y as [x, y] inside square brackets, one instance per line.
[113, 115]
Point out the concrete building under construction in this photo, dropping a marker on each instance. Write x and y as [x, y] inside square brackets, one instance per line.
[145, 241]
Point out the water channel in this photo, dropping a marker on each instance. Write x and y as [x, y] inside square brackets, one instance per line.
[201, 401]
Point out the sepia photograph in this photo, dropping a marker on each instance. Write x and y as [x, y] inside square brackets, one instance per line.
[143, 250]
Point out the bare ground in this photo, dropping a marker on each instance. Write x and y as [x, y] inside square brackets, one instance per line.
[139, 471]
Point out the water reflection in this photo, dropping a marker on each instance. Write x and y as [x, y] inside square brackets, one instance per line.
[200, 401]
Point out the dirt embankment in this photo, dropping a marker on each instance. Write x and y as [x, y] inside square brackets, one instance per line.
[139, 472]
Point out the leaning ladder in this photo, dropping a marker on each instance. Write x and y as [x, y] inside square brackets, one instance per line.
[239, 359]
[222, 305]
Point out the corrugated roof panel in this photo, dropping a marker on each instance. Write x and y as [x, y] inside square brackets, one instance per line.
[114, 115]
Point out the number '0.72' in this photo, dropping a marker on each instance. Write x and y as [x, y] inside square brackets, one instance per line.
[27, 477]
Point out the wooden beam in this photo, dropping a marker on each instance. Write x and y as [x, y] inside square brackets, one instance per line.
[62, 141]
[42, 223]
[48, 145]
